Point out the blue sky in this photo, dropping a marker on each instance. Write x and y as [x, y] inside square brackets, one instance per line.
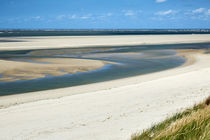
[104, 14]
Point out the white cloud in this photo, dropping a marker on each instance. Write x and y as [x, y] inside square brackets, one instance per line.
[109, 14]
[199, 10]
[37, 17]
[103, 16]
[200, 13]
[73, 16]
[129, 13]
[60, 17]
[208, 12]
[165, 13]
[160, 1]
[86, 16]
[83, 17]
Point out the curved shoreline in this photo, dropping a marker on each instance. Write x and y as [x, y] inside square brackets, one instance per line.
[21, 98]
[128, 64]
[10, 100]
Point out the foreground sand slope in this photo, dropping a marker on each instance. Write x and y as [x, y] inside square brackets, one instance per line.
[122, 108]
[87, 41]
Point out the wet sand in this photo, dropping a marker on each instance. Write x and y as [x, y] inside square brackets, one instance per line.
[20, 70]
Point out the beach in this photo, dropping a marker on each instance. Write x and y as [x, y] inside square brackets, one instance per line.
[109, 110]
[25, 43]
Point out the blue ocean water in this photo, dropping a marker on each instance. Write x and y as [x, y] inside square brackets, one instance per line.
[86, 32]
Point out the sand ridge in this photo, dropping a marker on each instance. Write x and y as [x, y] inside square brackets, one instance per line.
[20, 70]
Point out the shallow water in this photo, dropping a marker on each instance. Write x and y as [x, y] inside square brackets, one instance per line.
[130, 61]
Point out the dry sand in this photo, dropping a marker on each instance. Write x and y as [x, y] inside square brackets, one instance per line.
[17, 70]
[90, 41]
[111, 110]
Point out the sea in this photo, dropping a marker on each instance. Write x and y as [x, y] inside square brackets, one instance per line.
[89, 32]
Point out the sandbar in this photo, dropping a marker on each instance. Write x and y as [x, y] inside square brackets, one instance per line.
[26, 43]
[20, 70]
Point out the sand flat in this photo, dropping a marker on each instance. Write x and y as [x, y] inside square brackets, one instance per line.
[19, 70]
[91, 41]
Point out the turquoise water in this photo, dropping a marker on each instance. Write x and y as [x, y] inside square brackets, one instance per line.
[129, 61]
